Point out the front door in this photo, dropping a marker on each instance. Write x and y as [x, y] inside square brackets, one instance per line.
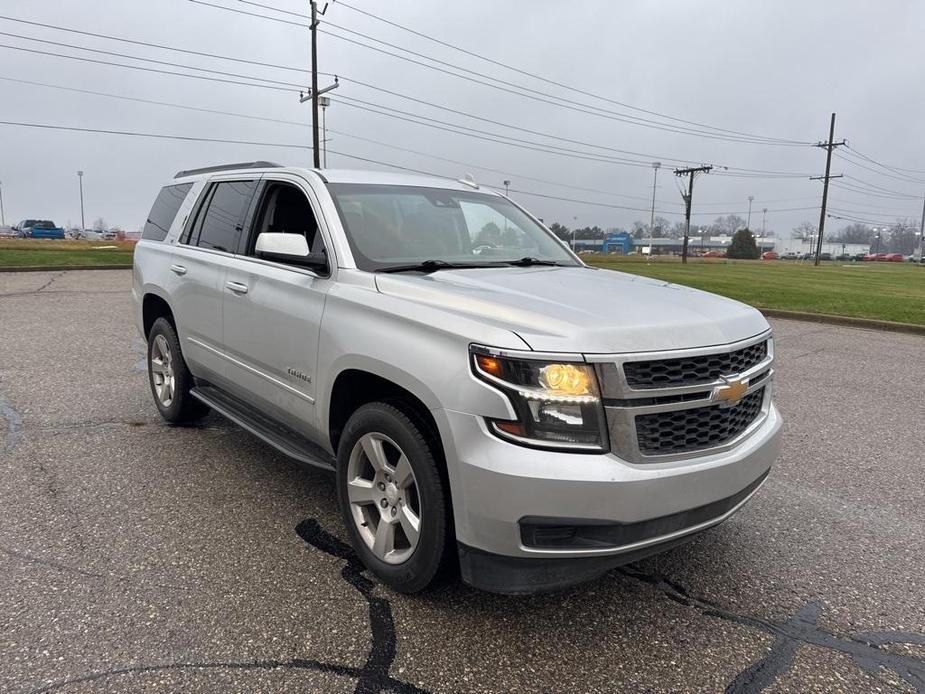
[272, 321]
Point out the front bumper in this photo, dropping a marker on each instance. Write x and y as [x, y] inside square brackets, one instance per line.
[500, 488]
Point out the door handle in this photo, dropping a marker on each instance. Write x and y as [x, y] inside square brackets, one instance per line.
[236, 287]
[178, 269]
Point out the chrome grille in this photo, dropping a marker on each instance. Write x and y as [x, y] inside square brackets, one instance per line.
[664, 406]
[682, 431]
[685, 371]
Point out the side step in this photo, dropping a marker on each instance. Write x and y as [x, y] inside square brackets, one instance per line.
[281, 437]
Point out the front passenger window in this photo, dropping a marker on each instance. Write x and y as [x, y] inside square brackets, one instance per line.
[286, 210]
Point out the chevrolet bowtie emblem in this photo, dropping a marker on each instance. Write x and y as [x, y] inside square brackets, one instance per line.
[730, 393]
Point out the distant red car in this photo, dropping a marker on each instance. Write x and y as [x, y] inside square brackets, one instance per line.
[714, 254]
[770, 255]
[875, 256]
[894, 257]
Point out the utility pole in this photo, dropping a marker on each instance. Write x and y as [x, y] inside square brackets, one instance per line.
[80, 179]
[314, 92]
[690, 173]
[656, 165]
[2, 217]
[828, 146]
[748, 224]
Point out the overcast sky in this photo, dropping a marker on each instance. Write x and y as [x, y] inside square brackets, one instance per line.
[774, 69]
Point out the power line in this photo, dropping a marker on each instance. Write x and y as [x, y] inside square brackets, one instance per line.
[151, 45]
[544, 79]
[904, 178]
[749, 173]
[149, 69]
[541, 97]
[857, 190]
[190, 138]
[294, 85]
[186, 107]
[897, 169]
[302, 124]
[610, 115]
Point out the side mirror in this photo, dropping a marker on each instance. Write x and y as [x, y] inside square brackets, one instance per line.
[291, 249]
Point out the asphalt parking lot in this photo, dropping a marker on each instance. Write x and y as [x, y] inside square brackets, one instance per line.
[141, 557]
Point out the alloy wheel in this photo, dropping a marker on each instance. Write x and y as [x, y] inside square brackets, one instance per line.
[162, 374]
[384, 500]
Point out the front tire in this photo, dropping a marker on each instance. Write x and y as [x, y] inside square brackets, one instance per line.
[169, 377]
[392, 498]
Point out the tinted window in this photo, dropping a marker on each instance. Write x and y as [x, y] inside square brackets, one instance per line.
[222, 224]
[164, 210]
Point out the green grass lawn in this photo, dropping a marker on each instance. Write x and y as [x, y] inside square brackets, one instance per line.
[884, 291]
[61, 253]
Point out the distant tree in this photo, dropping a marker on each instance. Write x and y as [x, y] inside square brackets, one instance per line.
[490, 235]
[903, 237]
[99, 224]
[640, 230]
[727, 225]
[561, 231]
[677, 230]
[853, 233]
[803, 231]
[743, 245]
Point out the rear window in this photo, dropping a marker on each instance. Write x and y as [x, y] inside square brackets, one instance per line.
[224, 218]
[164, 210]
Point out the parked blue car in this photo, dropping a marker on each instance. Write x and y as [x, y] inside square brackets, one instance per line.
[43, 229]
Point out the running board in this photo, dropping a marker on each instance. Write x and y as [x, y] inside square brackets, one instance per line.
[281, 437]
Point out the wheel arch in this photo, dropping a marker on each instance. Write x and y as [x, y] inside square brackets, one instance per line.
[154, 306]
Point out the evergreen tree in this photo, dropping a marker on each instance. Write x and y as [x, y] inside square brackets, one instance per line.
[743, 245]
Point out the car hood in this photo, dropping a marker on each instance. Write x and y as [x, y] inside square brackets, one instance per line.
[580, 309]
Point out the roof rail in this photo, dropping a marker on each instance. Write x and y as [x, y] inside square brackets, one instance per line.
[228, 167]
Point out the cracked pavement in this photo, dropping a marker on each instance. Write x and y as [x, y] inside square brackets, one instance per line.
[141, 557]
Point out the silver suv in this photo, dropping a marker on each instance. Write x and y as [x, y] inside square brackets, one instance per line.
[488, 403]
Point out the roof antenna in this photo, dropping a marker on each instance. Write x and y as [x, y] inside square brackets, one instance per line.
[468, 180]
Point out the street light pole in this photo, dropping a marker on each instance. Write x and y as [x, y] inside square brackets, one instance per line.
[656, 165]
[573, 232]
[748, 224]
[324, 102]
[80, 181]
[2, 218]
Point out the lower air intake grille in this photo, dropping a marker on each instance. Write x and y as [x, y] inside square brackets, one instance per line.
[681, 431]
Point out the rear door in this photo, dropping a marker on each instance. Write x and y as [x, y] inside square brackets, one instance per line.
[200, 263]
[273, 318]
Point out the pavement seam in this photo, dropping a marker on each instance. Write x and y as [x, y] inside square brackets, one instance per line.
[865, 650]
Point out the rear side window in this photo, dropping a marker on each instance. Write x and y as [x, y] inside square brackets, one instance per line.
[223, 220]
[164, 210]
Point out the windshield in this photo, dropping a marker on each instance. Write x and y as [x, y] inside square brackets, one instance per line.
[388, 226]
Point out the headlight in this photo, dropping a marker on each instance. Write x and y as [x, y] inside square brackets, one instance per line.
[558, 403]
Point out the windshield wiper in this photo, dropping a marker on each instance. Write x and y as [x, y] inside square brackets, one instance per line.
[530, 260]
[431, 266]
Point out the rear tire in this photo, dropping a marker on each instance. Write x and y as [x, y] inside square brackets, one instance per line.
[392, 498]
[169, 377]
